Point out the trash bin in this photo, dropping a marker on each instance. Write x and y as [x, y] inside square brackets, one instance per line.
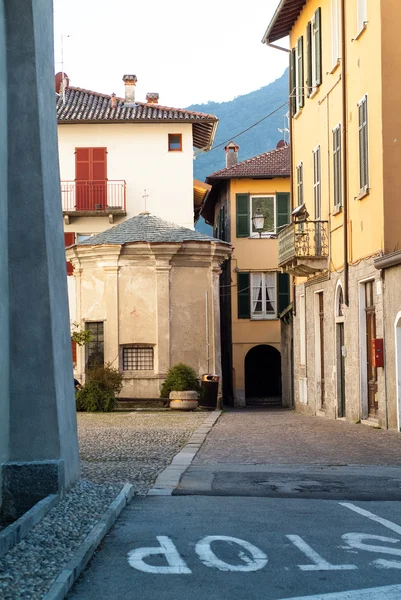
[210, 388]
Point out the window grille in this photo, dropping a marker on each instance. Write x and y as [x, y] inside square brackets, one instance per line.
[138, 358]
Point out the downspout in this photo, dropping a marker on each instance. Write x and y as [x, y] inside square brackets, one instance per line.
[345, 153]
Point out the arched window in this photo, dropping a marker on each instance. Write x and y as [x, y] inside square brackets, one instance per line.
[339, 303]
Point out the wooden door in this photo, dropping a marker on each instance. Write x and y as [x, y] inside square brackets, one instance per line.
[321, 334]
[91, 178]
[370, 336]
[341, 367]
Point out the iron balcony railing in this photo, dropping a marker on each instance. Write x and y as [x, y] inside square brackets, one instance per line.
[305, 239]
[87, 196]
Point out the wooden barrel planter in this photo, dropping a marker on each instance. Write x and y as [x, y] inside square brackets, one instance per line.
[184, 400]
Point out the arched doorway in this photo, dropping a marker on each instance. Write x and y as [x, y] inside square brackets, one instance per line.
[263, 375]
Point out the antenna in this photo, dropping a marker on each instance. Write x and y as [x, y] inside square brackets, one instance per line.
[63, 35]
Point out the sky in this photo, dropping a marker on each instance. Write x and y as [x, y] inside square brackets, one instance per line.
[189, 52]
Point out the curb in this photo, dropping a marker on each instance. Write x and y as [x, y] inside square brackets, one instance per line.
[169, 479]
[72, 570]
[16, 532]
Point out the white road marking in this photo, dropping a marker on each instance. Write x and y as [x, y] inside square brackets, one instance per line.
[390, 592]
[209, 559]
[177, 565]
[372, 517]
[356, 540]
[320, 563]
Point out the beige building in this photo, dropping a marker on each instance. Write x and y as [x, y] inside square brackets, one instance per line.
[148, 291]
[253, 290]
[343, 246]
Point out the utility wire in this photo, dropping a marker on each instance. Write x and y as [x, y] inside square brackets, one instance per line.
[244, 131]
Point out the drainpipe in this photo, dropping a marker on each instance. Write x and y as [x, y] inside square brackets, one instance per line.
[345, 154]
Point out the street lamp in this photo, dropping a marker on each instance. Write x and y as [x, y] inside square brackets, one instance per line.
[258, 221]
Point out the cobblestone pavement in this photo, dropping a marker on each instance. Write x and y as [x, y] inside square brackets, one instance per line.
[132, 447]
[283, 437]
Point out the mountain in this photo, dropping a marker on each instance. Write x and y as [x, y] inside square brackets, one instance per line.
[234, 117]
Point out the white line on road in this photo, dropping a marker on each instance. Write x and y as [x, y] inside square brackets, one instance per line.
[209, 559]
[390, 592]
[320, 563]
[372, 517]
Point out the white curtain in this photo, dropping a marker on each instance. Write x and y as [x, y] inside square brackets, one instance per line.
[257, 300]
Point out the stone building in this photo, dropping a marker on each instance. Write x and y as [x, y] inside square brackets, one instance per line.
[148, 291]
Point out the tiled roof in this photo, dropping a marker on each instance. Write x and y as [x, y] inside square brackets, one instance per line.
[84, 106]
[275, 163]
[146, 228]
[283, 20]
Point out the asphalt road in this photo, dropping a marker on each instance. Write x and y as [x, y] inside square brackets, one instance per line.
[270, 549]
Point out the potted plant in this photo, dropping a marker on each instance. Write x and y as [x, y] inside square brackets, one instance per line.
[182, 387]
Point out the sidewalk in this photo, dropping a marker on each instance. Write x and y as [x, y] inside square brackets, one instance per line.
[283, 437]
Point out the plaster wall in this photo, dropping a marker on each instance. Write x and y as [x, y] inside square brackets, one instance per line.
[137, 153]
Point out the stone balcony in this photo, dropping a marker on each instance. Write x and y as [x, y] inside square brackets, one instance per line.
[303, 248]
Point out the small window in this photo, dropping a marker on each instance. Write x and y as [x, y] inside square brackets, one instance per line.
[95, 348]
[263, 298]
[317, 190]
[82, 237]
[266, 205]
[300, 184]
[337, 175]
[175, 142]
[314, 39]
[363, 144]
[335, 32]
[138, 358]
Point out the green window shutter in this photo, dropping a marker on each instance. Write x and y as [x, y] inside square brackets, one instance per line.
[282, 210]
[283, 291]
[242, 201]
[309, 75]
[300, 72]
[244, 295]
[293, 84]
[318, 46]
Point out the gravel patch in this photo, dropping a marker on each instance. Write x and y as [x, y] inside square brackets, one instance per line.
[28, 570]
[132, 447]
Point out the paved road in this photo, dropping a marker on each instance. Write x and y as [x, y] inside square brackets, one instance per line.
[273, 507]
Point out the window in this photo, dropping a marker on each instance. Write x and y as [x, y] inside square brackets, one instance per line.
[263, 295]
[175, 142]
[314, 41]
[335, 32]
[300, 74]
[220, 230]
[363, 144]
[337, 175]
[81, 237]
[300, 184]
[138, 358]
[90, 178]
[267, 206]
[362, 15]
[317, 191]
[95, 348]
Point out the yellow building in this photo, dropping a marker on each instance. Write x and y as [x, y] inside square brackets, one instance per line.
[247, 205]
[346, 147]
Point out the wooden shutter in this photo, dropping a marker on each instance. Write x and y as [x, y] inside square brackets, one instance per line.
[244, 295]
[242, 205]
[309, 74]
[69, 240]
[318, 46]
[74, 351]
[91, 176]
[282, 210]
[222, 222]
[283, 291]
[293, 84]
[300, 72]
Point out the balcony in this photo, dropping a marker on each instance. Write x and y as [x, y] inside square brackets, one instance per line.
[303, 248]
[93, 199]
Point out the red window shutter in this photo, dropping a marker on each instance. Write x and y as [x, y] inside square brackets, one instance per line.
[69, 240]
[83, 164]
[99, 164]
[74, 352]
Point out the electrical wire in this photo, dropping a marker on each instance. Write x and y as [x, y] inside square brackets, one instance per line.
[244, 131]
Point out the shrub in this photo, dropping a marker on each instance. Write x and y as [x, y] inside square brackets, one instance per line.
[180, 378]
[94, 398]
[109, 378]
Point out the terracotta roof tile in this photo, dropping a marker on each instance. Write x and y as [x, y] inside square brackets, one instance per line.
[275, 163]
[86, 106]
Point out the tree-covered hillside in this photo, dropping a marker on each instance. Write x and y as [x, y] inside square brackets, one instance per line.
[234, 117]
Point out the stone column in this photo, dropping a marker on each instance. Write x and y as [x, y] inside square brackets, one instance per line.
[43, 448]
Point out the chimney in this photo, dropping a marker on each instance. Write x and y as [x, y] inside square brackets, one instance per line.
[113, 100]
[130, 83]
[231, 154]
[152, 98]
[281, 144]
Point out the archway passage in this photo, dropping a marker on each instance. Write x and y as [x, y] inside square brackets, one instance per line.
[263, 376]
